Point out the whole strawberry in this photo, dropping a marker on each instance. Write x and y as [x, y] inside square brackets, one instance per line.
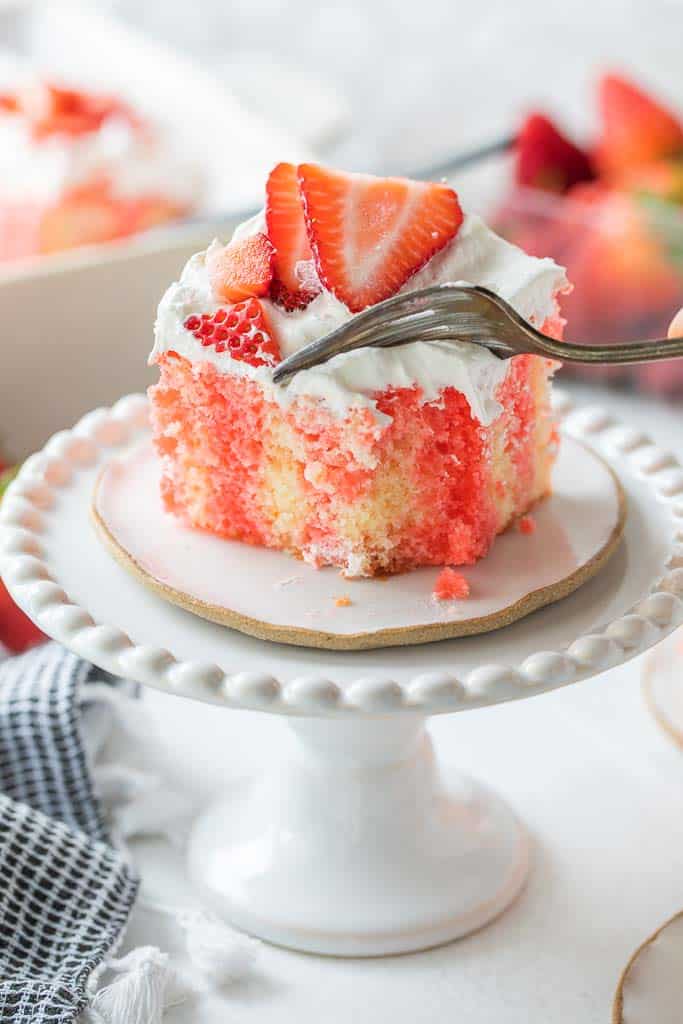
[636, 129]
[546, 159]
[17, 632]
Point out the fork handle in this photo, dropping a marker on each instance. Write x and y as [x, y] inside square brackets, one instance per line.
[618, 353]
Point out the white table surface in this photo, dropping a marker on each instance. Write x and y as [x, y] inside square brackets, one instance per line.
[596, 783]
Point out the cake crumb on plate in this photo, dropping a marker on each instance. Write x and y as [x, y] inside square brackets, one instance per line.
[527, 525]
[451, 586]
[343, 602]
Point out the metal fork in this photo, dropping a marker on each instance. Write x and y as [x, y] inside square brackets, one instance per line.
[469, 313]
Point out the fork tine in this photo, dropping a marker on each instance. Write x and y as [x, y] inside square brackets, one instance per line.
[362, 329]
[442, 312]
[470, 313]
[435, 326]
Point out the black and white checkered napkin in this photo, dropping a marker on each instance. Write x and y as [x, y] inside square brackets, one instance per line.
[65, 894]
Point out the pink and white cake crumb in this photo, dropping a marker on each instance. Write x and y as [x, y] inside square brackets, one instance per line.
[451, 586]
[80, 168]
[379, 460]
[526, 525]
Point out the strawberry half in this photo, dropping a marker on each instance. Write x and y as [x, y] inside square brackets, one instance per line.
[636, 129]
[288, 233]
[241, 270]
[547, 160]
[243, 331]
[369, 235]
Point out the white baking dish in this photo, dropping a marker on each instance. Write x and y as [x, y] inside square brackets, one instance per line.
[75, 331]
[76, 328]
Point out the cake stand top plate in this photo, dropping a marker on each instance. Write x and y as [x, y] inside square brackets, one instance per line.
[268, 594]
[59, 572]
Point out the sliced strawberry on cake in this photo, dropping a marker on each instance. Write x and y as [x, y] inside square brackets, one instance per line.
[295, 283]
[242, 330]
[241, 270]
[370, 235]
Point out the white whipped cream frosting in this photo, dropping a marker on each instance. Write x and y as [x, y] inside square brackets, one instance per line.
[476, 255]
[135, 163]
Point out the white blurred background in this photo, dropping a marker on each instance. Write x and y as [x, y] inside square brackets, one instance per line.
[421, 77]
[397, 84]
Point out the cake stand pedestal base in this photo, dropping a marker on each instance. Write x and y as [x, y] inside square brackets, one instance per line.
[358, 845]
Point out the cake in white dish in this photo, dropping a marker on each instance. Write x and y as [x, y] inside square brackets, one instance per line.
[79, 168]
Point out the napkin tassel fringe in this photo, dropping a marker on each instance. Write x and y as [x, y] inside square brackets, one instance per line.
[147, 986]
[218, 952]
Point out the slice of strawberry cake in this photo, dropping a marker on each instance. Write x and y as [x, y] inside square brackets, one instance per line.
[80, 168]
[379, 460]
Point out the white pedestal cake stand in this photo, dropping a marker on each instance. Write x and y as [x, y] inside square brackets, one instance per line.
[357, 844]
[663, 685]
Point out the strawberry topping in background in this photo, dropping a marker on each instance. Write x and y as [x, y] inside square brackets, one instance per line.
[636, 133]
[635, 129]
[17, 632]
[546, 159]
[56, 110]
[621, 271]
[612, 213]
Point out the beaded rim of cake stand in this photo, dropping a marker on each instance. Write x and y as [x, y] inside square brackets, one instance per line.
[24, 514]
